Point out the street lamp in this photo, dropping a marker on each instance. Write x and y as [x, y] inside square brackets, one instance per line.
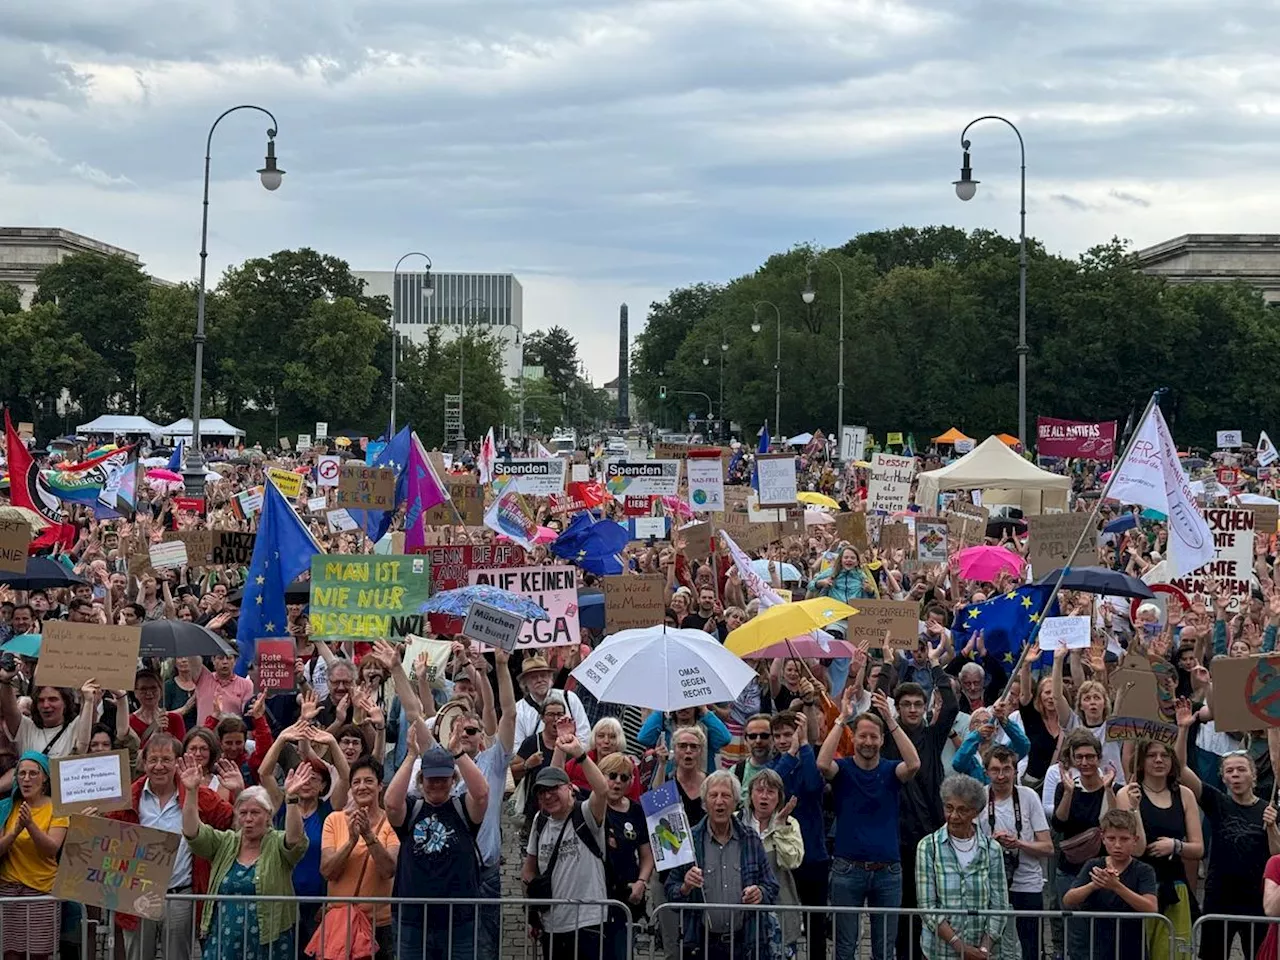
[966, 188]
[777, 363]
[462, 332]
[270, 175]
[808, 295]
[427, 291]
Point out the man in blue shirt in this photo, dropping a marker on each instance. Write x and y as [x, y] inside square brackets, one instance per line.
[866, 869]
[797, 764]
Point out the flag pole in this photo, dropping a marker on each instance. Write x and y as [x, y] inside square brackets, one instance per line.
[1090, 526]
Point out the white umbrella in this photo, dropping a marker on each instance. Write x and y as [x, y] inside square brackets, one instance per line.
[663, 669]
[800, 439]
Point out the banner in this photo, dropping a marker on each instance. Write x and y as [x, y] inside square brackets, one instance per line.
[637, 478]
[706, 484]
[535, 477]
[889, 488]
[1075, 438]
[554, 588]
[368, 597]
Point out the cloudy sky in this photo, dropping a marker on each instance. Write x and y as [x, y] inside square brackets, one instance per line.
[608, 150]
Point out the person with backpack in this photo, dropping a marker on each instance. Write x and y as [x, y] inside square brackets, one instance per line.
[564, 859]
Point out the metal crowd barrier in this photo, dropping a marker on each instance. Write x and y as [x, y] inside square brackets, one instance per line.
[1223, 935]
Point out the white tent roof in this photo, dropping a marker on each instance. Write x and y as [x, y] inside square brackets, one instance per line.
[992, 466]
[118, 423]
[216, 427]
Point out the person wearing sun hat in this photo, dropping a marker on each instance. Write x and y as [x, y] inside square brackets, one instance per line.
[536, 679]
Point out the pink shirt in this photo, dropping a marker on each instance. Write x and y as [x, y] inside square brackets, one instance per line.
[236, 692]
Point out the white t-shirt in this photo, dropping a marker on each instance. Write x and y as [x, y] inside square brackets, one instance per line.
[529, 722]
[1029, 877]
[31, 737]
[578, 874]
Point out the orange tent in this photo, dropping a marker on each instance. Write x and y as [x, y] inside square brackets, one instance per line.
[1009, 441]
[951, 436]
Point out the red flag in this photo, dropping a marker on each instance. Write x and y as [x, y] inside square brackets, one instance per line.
[25, 491]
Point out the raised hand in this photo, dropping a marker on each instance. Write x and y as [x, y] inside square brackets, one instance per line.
[229, 776]
[189, 773]
[297, 778]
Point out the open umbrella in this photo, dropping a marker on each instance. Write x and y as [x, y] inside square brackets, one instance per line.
[591, 608]
[987, 563]
[786, 572]
[815, 499]
[41, 572]
[807, 647]
[180, 638]
[456, 602]
[817, 518]
[162, 474]
[663, 669]
[785, 622]
[1112, 583]
[545, 535]
[23, 645]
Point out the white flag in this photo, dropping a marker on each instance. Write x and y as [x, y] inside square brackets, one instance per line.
[488, 457]
[1152, 477]
[1266, 451]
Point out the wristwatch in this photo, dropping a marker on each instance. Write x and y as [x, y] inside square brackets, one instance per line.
[292, 800]
[460, 754]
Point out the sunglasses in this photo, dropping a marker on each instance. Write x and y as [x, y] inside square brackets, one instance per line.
[756, 736]
[470, 731]
[620, 777]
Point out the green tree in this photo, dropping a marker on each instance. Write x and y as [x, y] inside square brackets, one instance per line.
[429, 371]
[330, 373]
[10, 298]
[39, 356]
[557, 353]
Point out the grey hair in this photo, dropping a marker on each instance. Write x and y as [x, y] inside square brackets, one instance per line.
[969, 669]
[722, 776]
[964, 788]
[769, 778]
[608, 723]
[557, 697]
[342, 664]
[256, 795]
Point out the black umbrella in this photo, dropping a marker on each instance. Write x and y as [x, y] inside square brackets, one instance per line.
[180, 638]
[1111, 583]
[41, 572]
[997, 527]
[298, 592]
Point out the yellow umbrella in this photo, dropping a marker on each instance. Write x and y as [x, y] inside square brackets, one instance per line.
[342, 441]
[784, 621]
[817, 499]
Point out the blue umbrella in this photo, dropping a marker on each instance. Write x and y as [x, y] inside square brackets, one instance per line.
[1111, 583]
[456, 603]
[1122, 523]
[591, 608]
[785, 570]
[23, 645]
[42, 572]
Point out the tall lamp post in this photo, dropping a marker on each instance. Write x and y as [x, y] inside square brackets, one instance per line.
[706, 362]
[427, 291]
[270, 175]
[462, 332]
[808, 295]
[777, 361]
[966, 187]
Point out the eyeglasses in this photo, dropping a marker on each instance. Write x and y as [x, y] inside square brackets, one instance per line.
[756, 736]
[688, 746]
[548, 715]
[620, 777]
[470, 731]
[30, 774]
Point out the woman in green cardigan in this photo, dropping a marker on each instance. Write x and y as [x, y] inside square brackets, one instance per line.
[252, 861]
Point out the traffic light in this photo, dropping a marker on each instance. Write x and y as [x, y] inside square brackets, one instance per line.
[662, 391]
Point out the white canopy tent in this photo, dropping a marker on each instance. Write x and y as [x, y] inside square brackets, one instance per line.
[215, 427]
[110, 424]
[1001, 475]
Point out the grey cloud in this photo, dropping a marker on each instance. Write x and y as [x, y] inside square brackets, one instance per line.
[1129, 198]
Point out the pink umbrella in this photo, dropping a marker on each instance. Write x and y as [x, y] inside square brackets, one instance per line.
[545, 535]
[987, 563]
[806, 647]
[813, 518]
[162, 474]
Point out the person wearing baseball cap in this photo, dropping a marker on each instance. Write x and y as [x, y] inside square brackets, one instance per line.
[536, 679]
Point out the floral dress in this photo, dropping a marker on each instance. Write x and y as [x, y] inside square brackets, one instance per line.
[235, 934]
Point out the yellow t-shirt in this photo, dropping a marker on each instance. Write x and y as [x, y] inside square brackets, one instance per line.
[25, 864]
[334, 837]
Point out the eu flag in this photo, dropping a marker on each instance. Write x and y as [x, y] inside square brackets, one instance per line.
[394, 456]
[281, 553]
[591, 544]
[1006, 621]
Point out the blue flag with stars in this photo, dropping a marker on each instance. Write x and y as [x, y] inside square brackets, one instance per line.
[394, 456]
[281, 553]
[1006, 621]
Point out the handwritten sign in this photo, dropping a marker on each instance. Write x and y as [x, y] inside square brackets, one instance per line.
[966, 525]
[1052, 537]
[1131, 729]
[369, 488]
[15, 539]
[368, 596]
[287, 482]
[554, 588]
[117, 866]
[889, 488]
[900, 617]
[493, 626]
[167, 555]
[451, 565]
[895, 536]
[1070, 633]
[777, 478]
[468, 501]
[633, 602]
[275, 664]
[99, 780]
[72, 653]
[1232, 563]
[852, 528]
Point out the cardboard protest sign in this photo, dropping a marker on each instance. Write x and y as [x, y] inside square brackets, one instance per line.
[776, 474]
[117, 866]
[1051, 538]
[99, 780]
[931, 540]
[287, 482]
[896, 536]
[368, 596]
[275, 664]
[467, 497]
[698, 542]
[71, 653]
[167, 555]
[966, 525]
[322, 430]
[747, 535]
[1246, 692]
[1132, 729]
[1266, 518]
[199, 544]
[852, 527]
[1138, 692]
[15, 539]
[451, 564]
[632, 602]
[554, 588]
[493, 626]
[889, 488]
[1232, 563]
[900, 617]
[369, 488]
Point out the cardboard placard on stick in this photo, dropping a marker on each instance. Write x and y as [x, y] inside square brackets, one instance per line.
[631, 602]
[966, 525]
[71, 653]
[852, 527]
[896, 536]
[15, 539]
[1266, 518]
[98, 780]
[468, 499]
[275, 664]
[1051, 538]
[1244, 692]
[900, 617]
[369, 488]
[115, 865]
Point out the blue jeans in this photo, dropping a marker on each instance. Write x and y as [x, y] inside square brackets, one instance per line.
[456, 941]
[490, 917]
[852, 885]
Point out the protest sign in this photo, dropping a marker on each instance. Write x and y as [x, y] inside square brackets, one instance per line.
[889, 489]
[669, 834]
[747, 535]
[369, 488]
[1075, 438]
[26, 429]
[328, 469]
[71, 653]
[317, 504]
[579, 473]
[492, 626]
[437, 653]
[167, 555]
[368, 596]
[1071, 633]
[900, 617]
[287, 482]
[896, 536]
[776, 476]
[647, 528]
[99, 780]
[706, 484]
[275, 664]
[670, 451]
[1052, 537]
[340, 520]
[632, 602]
[450, 565]
[232, 546]
[15, 539]
[1245, 692]
[1230, 438]
[534, 477]
[852, 528]
[931, 540]
[642, 478]
[554, 588]
[322, 430]
[248, 503]
[1232, 563]
[1266, 518]
[117, 866]
[467, 498]
[966, 525]
[304, 442]
[697, 539]
[1139, 692]
[199, 544]
[1133, 729]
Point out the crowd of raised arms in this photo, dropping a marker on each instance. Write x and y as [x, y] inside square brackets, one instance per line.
[937, 779]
